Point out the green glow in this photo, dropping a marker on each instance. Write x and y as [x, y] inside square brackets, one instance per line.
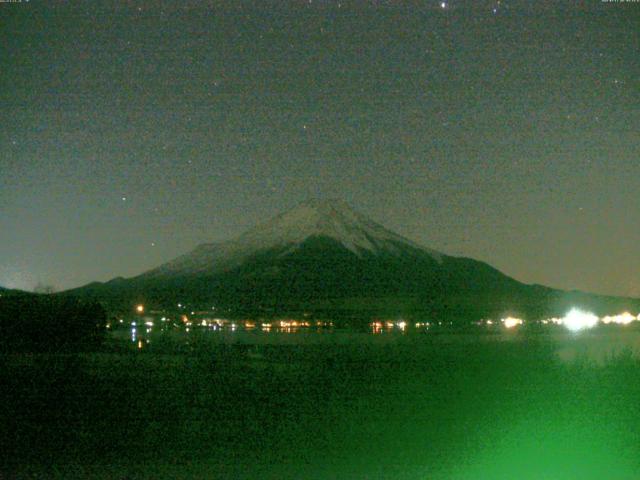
[549, 448]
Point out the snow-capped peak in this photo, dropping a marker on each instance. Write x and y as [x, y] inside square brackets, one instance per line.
[330, 218]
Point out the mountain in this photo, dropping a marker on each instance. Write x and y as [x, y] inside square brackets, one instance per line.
[324, 258]
[287, 233]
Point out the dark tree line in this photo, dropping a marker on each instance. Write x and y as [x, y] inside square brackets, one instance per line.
[50, 323]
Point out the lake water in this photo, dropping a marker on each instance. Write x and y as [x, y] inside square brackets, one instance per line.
[334, 404]
[597, 345]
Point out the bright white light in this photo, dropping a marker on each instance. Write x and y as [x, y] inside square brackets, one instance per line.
[511, 322]
[402, 325]
[577, 320]
[443, 4]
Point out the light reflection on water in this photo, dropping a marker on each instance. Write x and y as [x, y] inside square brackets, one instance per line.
[595, 346]
[273, 327]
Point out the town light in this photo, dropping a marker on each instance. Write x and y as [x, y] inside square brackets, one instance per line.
[511, 322]
[140, 308]
[577, 320]
[623, 319]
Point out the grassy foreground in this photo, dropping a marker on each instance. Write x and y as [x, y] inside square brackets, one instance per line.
[424, 410]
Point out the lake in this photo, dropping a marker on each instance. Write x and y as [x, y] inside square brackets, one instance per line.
[592, 345]
[327, 405]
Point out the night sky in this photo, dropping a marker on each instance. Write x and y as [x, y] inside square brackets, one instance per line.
[507, 131]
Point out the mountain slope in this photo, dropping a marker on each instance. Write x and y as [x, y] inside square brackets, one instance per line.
[336, 220]
[326, 258]
[8, 292]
